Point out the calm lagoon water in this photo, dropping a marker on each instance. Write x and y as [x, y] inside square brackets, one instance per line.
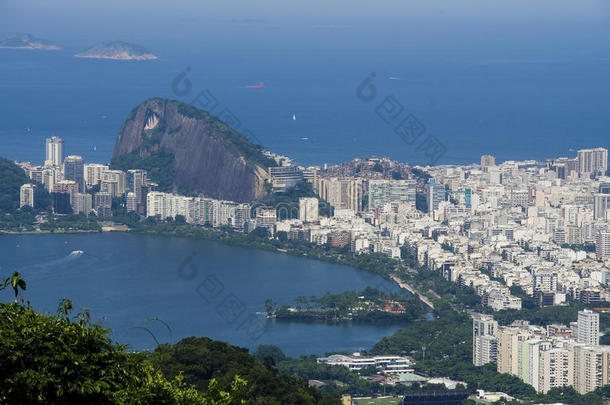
[197, 288]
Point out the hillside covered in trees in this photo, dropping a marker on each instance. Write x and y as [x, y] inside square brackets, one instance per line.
[12, 177]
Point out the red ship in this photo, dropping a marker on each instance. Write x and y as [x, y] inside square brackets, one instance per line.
[260, 85]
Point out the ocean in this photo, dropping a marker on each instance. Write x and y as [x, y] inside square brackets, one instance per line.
[533, 102]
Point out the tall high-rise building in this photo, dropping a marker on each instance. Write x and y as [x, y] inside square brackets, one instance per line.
[69, 187]
[74, 170]
[241, 217]
[588, 327]
[565, 166]
[113, 182]
[529, 360]
[435, 194]
[602, 244]
[103, 204]
[135, 179]
[26, 195]
[50, 176]
[387, 191]
[593, 160]
[266, 217]
[508, 348]
[82, 203]
[54, 151]
[341, 193]
[132, 202]
[488, 160]
[94, 173]
[308, 209]
[556, 369]
[591, 367]
[601, 205]
[484, 342]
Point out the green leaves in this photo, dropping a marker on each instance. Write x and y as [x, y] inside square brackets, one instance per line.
[15, 282]
[57, 360]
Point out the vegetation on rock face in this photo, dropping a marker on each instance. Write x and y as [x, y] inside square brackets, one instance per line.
[287, 202]
[250, 151]
[159, 166]
[187, 148]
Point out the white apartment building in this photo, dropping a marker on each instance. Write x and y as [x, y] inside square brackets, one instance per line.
[386, 364]
[94, 173]
[308, 209]
[557, 365]
[197, 210]
[26, 195]
[484, 341]
[591, 367]
[54, 151]
[113, 182]
[593, 160]
[82, 203]
[588, 327]
[341, 193]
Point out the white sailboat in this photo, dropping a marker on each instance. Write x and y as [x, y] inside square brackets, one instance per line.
[294, 117]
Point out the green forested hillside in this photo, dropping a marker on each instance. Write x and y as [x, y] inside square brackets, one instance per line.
[201, 359]
[12, 177]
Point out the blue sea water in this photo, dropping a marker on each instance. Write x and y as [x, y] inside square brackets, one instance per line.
[194, 288]
[535, 94]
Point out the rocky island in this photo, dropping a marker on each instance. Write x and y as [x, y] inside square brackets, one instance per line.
[117, 50]
[26, 41]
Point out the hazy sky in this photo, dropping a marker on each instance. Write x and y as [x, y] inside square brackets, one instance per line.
[160, 17]
[490, 28]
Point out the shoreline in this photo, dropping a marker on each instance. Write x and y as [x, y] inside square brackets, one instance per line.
[232, 241]
[412, 290]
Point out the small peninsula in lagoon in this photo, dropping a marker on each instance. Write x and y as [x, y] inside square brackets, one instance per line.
[117, 50]
[26, 41]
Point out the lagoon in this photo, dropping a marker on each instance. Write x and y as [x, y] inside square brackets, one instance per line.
[150, 289]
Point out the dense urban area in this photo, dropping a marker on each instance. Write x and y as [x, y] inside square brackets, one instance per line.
[510, 259]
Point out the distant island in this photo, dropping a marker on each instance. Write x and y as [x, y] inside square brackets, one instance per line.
[26, 41]
[117, 50]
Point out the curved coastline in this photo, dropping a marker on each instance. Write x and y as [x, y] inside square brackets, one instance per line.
[126, 279]
[238, 239]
